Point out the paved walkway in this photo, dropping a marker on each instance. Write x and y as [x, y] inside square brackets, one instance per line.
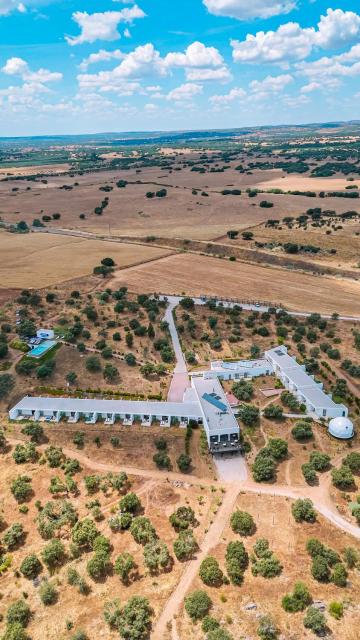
[180, 380]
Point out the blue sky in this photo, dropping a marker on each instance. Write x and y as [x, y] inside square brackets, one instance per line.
[117, 65]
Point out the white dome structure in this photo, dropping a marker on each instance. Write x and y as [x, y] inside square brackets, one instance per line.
[341, 428]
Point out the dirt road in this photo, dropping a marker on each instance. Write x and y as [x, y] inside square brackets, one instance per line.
[210, 541]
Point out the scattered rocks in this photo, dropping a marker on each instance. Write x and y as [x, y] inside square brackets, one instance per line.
[319, 604]
[252, 606]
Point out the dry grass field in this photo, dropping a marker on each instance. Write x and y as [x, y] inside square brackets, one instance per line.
[287, 539]
[297, 182]
[159, 499]
[40, 260]
[195, 275]
[181, 214]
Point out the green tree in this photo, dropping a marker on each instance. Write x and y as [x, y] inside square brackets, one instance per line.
[243, 523]
[31, 566]
[302, 431]
[14, 536]
[21, 488]
[53, 555]
[184, 462]
[35, 431]
[185, 545]
[343, 478]
[298, 600]
[303, 510]
[130, 503]
[124, 565]
[243, 390]
[84, 533]
[197, 605]
[156, 555]
[315, 621]
[18, 613]
[210, 572]
[339, 575]
[7, 383]
[319, 460]
[142, 530]
[93, 364]
[278, 448]
[249, 414]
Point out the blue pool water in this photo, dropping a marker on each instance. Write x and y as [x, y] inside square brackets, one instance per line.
[42, 348]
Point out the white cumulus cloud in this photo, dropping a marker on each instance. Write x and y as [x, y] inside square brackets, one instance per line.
[101, 56]
[184, 92]
[246, 9]
[102, 26]
[237, 93]
[290, 42]
[19, 67]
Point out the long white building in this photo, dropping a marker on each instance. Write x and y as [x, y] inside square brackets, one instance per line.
[309, 392]
[205, 403]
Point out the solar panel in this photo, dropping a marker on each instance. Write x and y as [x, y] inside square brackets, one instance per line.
[214, 400]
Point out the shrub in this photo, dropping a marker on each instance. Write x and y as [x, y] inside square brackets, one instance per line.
[339, 575]
[302, 431]
[267, 629]
[249, 414]
[336, 609]
[53, 554]
[320, 461]
[197, 605]
[156, 555]
[303, 510]
[30, 567]
[48, 593]
[243, 523]
[315, 620]
[134, 621]
[162, 460]
[273, 411]
[352, 461]
[14, 535]
[210, 572]
[183, 518]
[320, 570]
[342, 478]
[278, 448]
[15, 632]
[184, 462]
[263, 467]
[124, 564]
[185, 545]
[298, 600]
[142, 530]
[18, 613]
[243, 390]
[21, 488]
[130, 503]
[309, 473]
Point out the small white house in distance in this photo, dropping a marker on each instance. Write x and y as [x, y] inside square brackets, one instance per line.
[45, 334]
[303, 386]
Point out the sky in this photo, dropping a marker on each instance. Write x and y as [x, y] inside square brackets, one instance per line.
[72, 67]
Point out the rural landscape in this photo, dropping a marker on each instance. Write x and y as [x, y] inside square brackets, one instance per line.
[179, 320]
[145, 527]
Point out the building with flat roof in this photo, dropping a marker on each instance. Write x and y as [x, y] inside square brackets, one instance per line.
[307, 391]
[221, 427]
[237, 370]
[91, 409]
[205, 402]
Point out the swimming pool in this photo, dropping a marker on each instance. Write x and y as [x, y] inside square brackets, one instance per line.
[42, 348]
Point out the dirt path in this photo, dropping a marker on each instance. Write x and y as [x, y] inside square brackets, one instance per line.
[211, 539]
